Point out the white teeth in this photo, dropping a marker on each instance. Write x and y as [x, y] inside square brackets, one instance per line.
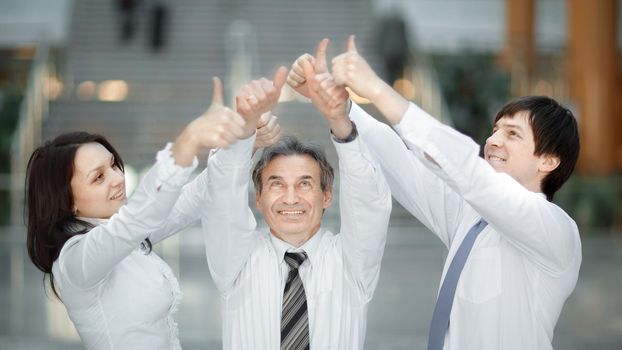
[117, 196]
[495, 158]
[291, 212]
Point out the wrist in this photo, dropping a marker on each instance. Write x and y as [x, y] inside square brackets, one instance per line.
[350, 137]
[249, 130]
[341, 129]
[184, 150]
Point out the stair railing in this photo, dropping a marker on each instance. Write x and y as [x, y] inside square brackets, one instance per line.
[27, 136]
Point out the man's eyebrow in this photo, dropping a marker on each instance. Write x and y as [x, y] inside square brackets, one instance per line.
[508, 125]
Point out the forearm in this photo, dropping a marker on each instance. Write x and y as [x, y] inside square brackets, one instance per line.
[187, 210]
[390, 103]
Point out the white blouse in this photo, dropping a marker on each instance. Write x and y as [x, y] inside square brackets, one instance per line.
[117, 296]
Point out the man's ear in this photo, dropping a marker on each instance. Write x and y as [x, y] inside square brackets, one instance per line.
[548, 163]
[328, 199]
[257, 197]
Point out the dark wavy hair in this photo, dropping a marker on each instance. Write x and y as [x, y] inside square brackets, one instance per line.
[49, 198]
[555, 132]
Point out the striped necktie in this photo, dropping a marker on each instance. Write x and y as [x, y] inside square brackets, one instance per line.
[445, 300]
[294, 318]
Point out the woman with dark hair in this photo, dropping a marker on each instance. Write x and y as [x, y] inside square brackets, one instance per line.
[96, 248]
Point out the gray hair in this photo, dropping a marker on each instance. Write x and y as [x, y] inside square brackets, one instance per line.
[291, 146]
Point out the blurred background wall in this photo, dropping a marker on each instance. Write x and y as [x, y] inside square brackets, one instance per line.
[460, 59]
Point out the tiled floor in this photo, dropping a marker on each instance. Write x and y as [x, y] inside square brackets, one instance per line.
[398, 316]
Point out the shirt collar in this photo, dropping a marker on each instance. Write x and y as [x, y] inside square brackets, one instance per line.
[541, 194]
[310, 247]
[93, 221]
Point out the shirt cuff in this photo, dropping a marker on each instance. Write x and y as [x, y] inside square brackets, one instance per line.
[170, 173]
[350, 154]
[416, 125]
[353, 135]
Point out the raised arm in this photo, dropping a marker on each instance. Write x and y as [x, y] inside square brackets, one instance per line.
[189, 206]
[88, 258]
[412, 184]
[228, 223]
[538, 228]
[365, 207]
[365, 198]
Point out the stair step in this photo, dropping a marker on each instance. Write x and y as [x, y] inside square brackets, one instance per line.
[169, 88]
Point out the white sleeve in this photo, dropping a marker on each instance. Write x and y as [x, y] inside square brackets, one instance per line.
[187, 210]
[540, 229]
[414, 186]
[228, 223]
[365, 206]
[87, 259]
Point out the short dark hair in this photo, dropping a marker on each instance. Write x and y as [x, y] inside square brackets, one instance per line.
[555, 132]
[49, 198]
[290, 146]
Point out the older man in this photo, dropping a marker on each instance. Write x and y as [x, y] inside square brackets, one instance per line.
[296, 285]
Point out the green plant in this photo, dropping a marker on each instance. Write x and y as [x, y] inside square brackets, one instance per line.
[593, 202]
[474, 88]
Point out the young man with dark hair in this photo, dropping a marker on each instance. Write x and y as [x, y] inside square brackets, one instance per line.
[554, 131]
[514, 256]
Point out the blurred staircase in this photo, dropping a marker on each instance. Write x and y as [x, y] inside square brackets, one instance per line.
[169, 87]
[237, 40]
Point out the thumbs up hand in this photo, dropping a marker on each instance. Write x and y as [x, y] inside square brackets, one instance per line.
[296, 76]
[268, 131]
[351, 69]
[219, 126]
[329, 98]
[258, 97]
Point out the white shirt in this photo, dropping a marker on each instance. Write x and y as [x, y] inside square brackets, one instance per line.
[116, 296]
[247, 265]
[524, 264]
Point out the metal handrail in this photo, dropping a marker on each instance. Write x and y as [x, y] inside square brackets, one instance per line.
[27, 136]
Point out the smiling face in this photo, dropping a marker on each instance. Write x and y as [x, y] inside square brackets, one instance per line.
[291, 198]
[98, 185]
[510, 149]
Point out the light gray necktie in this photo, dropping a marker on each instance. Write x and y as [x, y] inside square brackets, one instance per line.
[442, 310]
